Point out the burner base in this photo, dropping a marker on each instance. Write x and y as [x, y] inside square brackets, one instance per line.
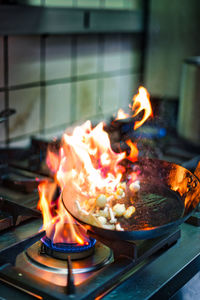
[101, 256]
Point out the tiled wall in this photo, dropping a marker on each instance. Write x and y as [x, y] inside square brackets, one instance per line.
[170, 43]
[116, 4]
[54, 81]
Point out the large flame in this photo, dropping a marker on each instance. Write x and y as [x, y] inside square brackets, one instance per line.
[59, 225]
[90, 158]
[87, 166]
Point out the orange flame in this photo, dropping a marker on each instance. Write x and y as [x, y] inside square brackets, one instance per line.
[141, 101]
[52, 161]
[87, 166]
[134, 151]
[91, 164]
[59, 225]
[43, 203]
[121, 115]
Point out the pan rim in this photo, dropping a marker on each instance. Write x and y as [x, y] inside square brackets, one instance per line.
[143, 233]
[139, 234]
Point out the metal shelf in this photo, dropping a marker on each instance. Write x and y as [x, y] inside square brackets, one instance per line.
[20, 20]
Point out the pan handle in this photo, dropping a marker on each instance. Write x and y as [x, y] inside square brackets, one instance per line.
[197, 171]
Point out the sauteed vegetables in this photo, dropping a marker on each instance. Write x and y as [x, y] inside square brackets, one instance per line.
[106, 210]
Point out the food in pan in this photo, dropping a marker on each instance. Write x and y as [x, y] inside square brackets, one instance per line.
[106, 210]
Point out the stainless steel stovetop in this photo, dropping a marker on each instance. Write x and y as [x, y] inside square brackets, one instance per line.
[160, 268]
[161, 274]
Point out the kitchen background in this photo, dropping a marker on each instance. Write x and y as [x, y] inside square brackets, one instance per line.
[54, 81]
[58, 80]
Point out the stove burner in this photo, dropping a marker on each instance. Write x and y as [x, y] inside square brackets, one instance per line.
[63, 250]
[32, 260]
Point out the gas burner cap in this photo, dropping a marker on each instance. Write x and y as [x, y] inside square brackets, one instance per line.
[63, 250]
[101, 256]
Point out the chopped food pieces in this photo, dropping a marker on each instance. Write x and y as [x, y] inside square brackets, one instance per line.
[128, 212]
[119, 209]
[120, 191]
[135, 186]
[110, 209]
[112, 218]
[102, 220]
[118, 227]
[101, 201]
[109, 226]
[104, 212]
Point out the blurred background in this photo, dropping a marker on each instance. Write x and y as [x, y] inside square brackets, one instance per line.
[66, 61]
[63, 62]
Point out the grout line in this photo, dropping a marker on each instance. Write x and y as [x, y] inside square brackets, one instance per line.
[102, 3]
[75, 78]
[121, 50]
[42, 82]
[59, 127]
[144, 42]
[100, 67]
[6, 94]
[73, 98]
[121, 64]
[124, 4]
[23, 136]
[75, 3]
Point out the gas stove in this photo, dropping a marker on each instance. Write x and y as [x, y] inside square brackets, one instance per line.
[32, 267]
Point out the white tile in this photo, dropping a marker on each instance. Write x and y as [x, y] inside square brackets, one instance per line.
[50, 134]
[24, 59]
[112, 53]
[111, 95]
[86, 99]
[116, 4]
[21, 143]
[63, 3]
[2, 127]
[132, 4]
[101, 54]
[58, 61]
[86, 55]
[128, 86]
[30, 2]
[1, 63]
[118, 93]
[88, 3]
[100, 96]
[27, 117]
[130, 53]
[57, 110]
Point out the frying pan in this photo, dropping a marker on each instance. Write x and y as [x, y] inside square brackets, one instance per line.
[168, 195]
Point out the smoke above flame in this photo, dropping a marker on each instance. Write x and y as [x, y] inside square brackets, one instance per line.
[87, 166]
